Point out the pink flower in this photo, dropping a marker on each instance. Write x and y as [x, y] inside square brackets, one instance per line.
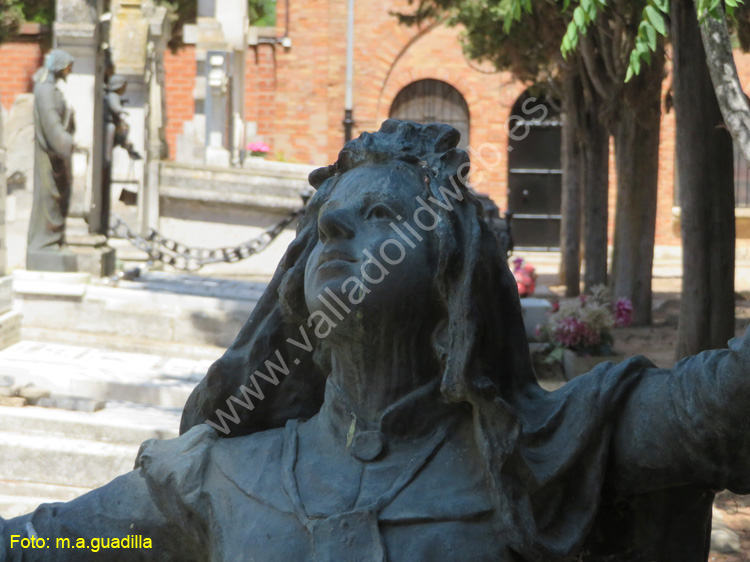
[555, 306]
[623, 310]
[517, 264]
[570, 332]
[258, 147]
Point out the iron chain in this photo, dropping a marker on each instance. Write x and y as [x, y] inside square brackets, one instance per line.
[185, 258]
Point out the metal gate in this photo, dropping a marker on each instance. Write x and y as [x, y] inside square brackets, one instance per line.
[535, 175]
[433, 101]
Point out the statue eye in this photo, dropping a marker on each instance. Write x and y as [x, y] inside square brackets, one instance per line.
[380, 211]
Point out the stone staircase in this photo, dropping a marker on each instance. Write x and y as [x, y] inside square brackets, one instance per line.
[55, 455]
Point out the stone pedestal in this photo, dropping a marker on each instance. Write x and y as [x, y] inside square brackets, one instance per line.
[10, 320]
[93, 255]
[60, 261]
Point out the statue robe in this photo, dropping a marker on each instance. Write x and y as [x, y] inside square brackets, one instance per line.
[53, 126]
[619, 464]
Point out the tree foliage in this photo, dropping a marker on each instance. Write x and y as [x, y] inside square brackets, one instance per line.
[262, 13]
[652, 24]
[15, 12]
[11, 16]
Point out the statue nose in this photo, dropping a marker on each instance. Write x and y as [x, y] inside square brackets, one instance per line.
[335, 224]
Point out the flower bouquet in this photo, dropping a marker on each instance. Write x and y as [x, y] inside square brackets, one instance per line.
[583, 327]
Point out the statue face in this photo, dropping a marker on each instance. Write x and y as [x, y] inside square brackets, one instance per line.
[360, 256]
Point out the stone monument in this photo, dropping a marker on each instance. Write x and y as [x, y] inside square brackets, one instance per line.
[215, 135]
[78, 30]
[380, 404]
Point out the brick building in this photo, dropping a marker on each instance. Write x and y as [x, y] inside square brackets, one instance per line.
[294, 96]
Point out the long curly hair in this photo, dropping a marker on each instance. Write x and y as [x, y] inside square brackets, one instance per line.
[481, 344]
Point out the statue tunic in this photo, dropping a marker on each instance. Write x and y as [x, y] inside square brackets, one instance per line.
[620, 464]
[53, 126]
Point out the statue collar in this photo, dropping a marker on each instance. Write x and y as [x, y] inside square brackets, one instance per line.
[418, 414]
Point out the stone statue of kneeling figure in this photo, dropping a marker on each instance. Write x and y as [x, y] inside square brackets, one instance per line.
[380, 404]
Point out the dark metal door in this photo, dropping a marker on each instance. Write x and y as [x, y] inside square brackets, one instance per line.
[535, 179]
[433, 101]
[741, 179]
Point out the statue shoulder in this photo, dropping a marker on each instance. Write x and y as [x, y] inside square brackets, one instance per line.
[164, 459]
[198, 461]
[44, 91]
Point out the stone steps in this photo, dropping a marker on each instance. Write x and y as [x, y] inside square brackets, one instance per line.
[119, 423]
[55, 455]
[102, 375]
[63, 461]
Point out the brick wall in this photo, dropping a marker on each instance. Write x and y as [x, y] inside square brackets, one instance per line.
[19, 60]
[260, 91]
[179, 70]
[296, 95]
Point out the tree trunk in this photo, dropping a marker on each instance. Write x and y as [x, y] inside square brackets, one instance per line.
[637, 150]
[595, 146]
[572, 166]
[706, 189]
[732, 99]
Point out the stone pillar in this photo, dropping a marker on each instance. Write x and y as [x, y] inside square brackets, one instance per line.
[128, 40]
[10, 320]
[216, 107]
[78, 30]
[233, 16]
[3, 200]
[156, 123]
[138, 39]
[215, 136]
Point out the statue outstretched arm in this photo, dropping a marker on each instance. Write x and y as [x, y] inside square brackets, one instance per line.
[689, 425]
[54, 131]
[84, 529]
[146, 507]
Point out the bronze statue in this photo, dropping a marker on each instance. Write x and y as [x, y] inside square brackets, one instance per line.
[115, 115]
[54, 127]
[380, 404]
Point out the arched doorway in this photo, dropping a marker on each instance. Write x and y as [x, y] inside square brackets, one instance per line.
[535, 173]
[433, 101]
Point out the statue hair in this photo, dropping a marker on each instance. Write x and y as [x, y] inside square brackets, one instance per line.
[481, 342]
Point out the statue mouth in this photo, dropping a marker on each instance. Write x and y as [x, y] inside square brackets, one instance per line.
[335, 257]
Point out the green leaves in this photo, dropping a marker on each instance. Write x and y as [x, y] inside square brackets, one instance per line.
[511, 11]
[652, 25]
[11, 16]
[654, 16]
[652, 22]
[583, 15]
[710, 8]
